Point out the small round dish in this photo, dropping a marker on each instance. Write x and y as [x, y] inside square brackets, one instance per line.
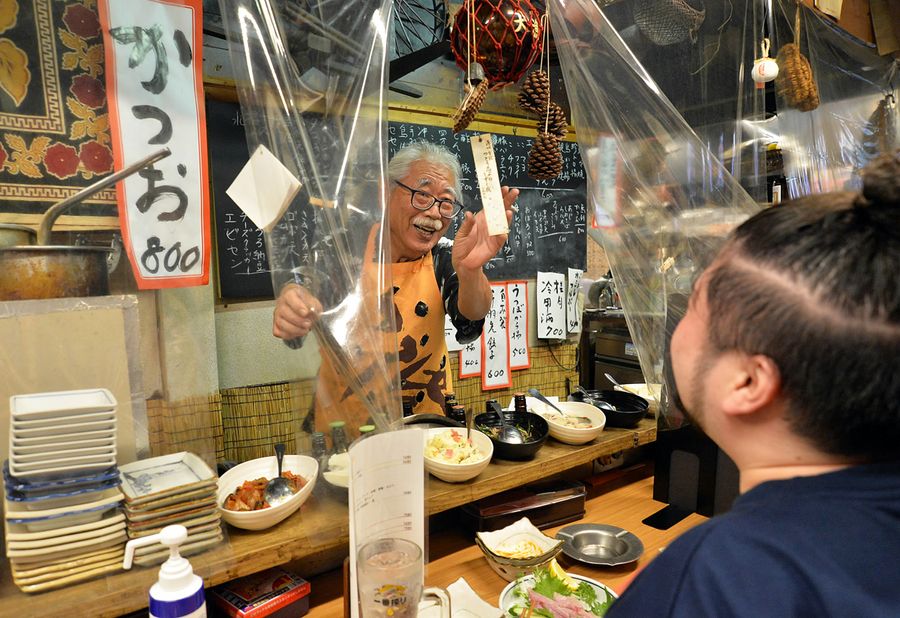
[600, 544]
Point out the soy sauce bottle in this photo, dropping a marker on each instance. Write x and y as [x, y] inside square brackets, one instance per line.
[458, 413]
[407, 407]
[520, 403]
[449, 403]
[338, 437]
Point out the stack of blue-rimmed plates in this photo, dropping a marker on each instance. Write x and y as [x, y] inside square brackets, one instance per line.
[171, 489]
[63, 518]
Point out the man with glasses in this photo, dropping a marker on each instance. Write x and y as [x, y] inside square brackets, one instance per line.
[431, 276]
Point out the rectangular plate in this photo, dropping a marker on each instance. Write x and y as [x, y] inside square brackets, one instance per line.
[104, 434]
[51, 455]
[57, 430]
[48, 405]
[63, 446]
[36, 487]
[79, 419]
[156, 477]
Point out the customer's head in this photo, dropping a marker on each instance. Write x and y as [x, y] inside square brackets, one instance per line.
[802, 308]
[417, 174]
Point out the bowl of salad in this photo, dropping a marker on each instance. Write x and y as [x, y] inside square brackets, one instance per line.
[553, 592]
[452, 458]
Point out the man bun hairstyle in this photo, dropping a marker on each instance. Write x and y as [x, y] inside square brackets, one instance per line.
[814, 284]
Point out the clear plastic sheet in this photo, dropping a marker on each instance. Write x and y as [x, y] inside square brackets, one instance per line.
[663, 201]
[707, 76]
[858, 116]
[311, 78]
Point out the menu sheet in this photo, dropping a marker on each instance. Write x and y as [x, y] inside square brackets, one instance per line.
[387, 493]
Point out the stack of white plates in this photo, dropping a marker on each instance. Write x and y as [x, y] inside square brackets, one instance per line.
[62, 434]
[53, 547]
[171, 489]
[62, 518]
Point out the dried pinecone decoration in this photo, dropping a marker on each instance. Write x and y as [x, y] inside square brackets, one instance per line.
[535, 93]
[545, 160]
[466, 111]
[557, 124]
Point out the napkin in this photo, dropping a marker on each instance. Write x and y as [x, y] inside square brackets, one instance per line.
[464, 601]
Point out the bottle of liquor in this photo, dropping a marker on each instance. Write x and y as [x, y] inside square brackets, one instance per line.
[520, 403]
[449, 402]
[338, 437]
[458, 413]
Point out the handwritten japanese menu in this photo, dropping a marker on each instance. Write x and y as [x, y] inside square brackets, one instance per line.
[573, 314]
[489, 184]
[517, 299]
[450, 335]
[495, 345]
[551, 309]
[470, 359]
[155, 87]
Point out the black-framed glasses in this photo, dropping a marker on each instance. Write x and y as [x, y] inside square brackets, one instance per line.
[421, 200]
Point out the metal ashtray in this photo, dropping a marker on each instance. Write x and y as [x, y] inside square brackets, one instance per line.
[600, 544]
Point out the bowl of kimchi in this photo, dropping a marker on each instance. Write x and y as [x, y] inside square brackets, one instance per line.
[241, 490]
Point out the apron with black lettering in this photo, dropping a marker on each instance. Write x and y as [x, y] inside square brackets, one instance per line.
[423, 359]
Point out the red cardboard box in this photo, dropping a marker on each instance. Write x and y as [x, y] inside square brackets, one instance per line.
[274, 593]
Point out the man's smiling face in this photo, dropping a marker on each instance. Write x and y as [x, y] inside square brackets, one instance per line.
[415, 232]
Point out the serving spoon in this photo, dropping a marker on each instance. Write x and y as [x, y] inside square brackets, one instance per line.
[537, 394]
[279, 488]
[622, 386]
[603, 405]
[508, 433]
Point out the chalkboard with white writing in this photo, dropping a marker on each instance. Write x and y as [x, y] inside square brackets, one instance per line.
[548, 233]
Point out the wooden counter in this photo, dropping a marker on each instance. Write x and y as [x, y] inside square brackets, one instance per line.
[318, 534]
[453, 553]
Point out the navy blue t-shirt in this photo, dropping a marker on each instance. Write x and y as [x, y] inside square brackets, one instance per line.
[826, 545]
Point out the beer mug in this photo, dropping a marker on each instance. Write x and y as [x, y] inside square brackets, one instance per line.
[390, 575]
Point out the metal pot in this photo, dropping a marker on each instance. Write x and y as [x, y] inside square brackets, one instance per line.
[48, 271]
[12, 235]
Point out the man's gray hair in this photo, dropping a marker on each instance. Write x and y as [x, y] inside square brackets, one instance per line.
[399, 165]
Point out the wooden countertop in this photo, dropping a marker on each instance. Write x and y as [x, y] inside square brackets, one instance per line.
[318, 534]
[453, 553]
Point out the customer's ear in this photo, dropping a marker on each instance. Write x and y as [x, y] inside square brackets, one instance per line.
[755, 385]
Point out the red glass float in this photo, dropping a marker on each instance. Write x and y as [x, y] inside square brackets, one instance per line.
[507, 37]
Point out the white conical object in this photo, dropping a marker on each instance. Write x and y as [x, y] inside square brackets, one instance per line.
[177, 592]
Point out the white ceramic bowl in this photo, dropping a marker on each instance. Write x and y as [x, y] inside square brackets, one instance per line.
[650, 392]
[573, 435]
[266, 467]
[457, 473]
[493, 544]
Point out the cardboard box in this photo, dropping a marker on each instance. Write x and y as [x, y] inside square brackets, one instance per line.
[274, 593]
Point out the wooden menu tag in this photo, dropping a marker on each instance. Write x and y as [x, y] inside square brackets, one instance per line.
[489, 184]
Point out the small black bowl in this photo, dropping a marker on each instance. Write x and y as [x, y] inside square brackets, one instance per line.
[630, 408]
[533, 423]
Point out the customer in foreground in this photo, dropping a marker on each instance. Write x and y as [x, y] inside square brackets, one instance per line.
[789, 359]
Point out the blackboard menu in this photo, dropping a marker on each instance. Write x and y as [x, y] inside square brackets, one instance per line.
[548, 232]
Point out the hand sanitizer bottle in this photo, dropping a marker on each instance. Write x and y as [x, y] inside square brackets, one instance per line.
[178, 593]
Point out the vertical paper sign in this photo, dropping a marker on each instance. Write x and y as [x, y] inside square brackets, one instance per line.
[495, 371]
[573, 315]
[551, 308]
[470, 359]
[603, 163]
[517, 298]
[489, 184]
[450, 335]
[155, 91]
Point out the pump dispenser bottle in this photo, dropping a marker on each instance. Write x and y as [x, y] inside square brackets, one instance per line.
[178, 593]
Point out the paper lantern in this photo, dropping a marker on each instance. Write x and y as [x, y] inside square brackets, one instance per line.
[507, 37]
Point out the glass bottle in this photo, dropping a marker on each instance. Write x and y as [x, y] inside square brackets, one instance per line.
[407, 406]
[366, 430]
[520, 404]
[458, 413]
[320, 451]
[449, 402]
[338, 437]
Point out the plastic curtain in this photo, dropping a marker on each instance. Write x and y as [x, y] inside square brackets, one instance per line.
[857, 117]
[311, 79]
[662, 202]
[707, 76]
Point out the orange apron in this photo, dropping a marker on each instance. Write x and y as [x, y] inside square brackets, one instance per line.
[423, 359]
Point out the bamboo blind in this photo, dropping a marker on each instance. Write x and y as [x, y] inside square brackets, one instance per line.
[193, 424]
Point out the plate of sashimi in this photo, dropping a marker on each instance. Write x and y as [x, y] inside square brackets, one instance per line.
[552, 593]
